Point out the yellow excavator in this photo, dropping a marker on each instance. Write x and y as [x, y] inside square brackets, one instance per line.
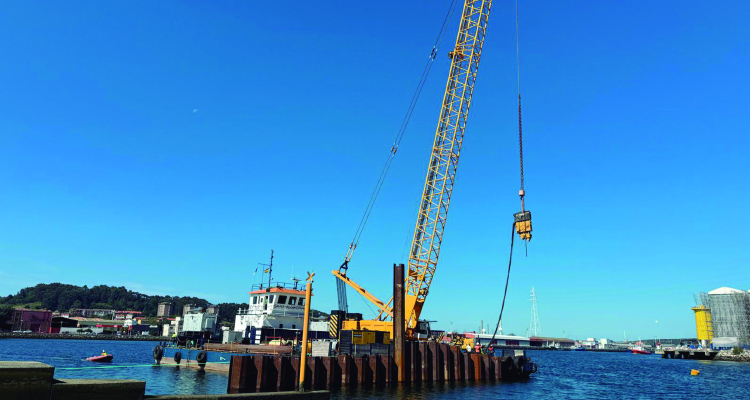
[441, 175]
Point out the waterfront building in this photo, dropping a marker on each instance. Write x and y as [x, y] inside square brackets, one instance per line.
[558, 343]
[483, 339]
[212, 309]
[37, 321]
[61, 324]
[173, 327]
[164, 310]
[589, 343]
[97, 325]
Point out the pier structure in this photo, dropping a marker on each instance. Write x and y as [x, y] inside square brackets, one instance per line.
[689, 354]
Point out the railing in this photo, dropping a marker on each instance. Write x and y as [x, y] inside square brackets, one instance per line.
[280, 285]
[273, 310]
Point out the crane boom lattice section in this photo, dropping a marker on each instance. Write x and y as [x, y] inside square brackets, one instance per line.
[441, 173]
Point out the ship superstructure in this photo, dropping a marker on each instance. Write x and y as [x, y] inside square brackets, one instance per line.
[280, 306]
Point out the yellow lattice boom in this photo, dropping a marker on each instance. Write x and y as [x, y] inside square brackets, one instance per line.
[441, 170]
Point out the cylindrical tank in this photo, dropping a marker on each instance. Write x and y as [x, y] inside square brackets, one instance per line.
[703, 324]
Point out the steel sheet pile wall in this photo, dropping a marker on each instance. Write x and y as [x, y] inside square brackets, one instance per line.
[425, 362]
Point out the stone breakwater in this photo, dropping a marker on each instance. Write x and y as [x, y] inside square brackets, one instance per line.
[727, 355]
[9, 335]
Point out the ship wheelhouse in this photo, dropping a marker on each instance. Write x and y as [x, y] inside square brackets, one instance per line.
[281, 307]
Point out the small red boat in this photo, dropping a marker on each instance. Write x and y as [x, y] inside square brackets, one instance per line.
[101, 358]
[639, 349]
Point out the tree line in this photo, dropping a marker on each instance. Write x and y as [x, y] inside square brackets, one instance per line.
[63, 297]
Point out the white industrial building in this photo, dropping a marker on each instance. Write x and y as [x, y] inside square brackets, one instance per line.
[730, 315]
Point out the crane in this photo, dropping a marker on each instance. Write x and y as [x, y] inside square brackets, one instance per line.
[441, 175]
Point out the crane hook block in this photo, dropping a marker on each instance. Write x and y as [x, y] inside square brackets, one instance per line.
[523, 224]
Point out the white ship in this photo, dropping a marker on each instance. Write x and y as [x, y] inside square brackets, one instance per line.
[281, 307]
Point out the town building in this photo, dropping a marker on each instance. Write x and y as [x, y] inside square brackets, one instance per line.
[98, 325]
[92, 312]
[165, 309]
[173, 327]
[36, 321]
[123, 315]
[64, 325]
[190, 308]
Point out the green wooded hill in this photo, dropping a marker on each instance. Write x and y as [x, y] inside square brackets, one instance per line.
[63, 297]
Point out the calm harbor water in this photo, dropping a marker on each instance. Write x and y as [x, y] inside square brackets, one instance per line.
[561, 375]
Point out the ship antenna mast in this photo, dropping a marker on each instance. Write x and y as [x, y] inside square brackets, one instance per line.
[269, 270]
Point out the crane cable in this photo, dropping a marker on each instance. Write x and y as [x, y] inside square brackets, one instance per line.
[399, 137]
[507, 279]
[521, 192]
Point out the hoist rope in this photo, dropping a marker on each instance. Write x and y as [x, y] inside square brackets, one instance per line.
[401, 132]
[518, 77]
[366, 303]
[341, 292]
[520, 151]
[507, 279]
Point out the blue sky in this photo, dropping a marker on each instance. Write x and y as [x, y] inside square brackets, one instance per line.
[168, 147]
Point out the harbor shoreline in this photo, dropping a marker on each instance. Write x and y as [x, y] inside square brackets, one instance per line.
[727, 355]
[141, 338]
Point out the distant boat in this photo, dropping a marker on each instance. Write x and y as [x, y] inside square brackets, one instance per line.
[578, 348]
[101, 358]
[639, 349]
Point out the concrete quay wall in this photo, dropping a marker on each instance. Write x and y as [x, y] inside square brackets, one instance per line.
[24, 380]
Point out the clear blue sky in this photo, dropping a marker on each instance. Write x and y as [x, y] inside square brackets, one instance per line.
[169, 146]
